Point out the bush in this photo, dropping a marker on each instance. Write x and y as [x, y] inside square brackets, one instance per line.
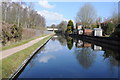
[70, 26]
[16, 32]
[94, 26]
[10, 32]
[108, 28]
[116, 33]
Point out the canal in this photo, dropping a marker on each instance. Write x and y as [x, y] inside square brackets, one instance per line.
[65, 57]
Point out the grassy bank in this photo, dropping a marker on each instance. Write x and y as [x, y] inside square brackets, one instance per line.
[11, 63]
[20, 43]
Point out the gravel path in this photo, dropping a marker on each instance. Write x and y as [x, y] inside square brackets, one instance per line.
[8, 52]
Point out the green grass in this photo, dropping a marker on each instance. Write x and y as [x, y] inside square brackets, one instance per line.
[11, 63]
[20, 43]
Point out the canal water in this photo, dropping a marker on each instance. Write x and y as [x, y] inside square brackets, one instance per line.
[65, 57]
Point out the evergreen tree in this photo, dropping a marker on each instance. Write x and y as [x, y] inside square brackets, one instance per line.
[70, 26]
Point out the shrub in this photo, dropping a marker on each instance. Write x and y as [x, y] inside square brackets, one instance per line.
[116, 33]
[10, 32]
[108, 28]
[70, 26]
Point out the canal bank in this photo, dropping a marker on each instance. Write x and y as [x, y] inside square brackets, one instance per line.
[14, 63]
[106, 40]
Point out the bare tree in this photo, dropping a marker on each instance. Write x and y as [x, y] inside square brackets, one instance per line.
[19, 16]
[114, 16]
[62, 26]
[86, 15]
[26, 17]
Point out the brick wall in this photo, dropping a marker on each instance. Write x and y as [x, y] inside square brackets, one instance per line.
[88, 32]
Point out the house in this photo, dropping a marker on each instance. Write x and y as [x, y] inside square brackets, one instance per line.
[88, 32]
[97, 32]
[79, 28]
[80, 31]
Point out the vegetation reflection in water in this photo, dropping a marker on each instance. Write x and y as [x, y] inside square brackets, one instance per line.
[66, 57]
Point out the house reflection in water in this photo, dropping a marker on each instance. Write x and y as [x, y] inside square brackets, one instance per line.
[86, 52]
[96, 48]
[85, 44]
[81, 44]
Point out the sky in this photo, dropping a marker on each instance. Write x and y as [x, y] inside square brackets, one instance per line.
[55, 12]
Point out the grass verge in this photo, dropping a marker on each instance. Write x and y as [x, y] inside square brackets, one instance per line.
[20, 43]
[11, 63]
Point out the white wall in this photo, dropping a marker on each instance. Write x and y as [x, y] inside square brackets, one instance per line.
[98, 32]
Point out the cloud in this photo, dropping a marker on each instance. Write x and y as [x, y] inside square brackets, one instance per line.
[45, 4]
[46, 58]
[52, 17]
[53, 48]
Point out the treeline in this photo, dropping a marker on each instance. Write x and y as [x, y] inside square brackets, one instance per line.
[16, 17]
[18, 13]
[87, 16]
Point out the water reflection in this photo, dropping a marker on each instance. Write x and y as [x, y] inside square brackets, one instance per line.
[45, 59]
[86, 57]
[32, 63]
[60, 38]
[87, 52]
[113, 57]
[67, 57]
[69, 42]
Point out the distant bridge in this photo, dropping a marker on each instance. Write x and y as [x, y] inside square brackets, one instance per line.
[52, 29]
